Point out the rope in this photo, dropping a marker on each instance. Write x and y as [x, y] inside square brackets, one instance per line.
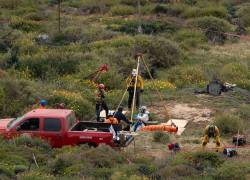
[135, 86]
[158, 92]
[123, 96]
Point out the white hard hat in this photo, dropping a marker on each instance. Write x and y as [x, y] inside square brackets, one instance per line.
[143, 109]
[134, 72]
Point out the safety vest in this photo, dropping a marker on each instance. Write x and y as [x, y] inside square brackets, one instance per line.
[131, 82]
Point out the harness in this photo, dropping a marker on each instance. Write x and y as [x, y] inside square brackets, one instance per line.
[211, 131]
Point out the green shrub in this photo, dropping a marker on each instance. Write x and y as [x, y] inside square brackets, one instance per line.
[10, 4]
[24, 25]
[51, 64]
[32, 142]
[218, 11]
[102, 173]
[172, 10]
[214, 28]
[229, 124]
[163, 53]
[6, 172]
[244, 111]
[244, 14]
[236, 73]
[96, 33]
[205, 160]
[233, 170]
[190, 2]
[36, 16]
[93, 6]
[183, 76]
[18, 95]
[69, 35]
[147, 27]
[121, 10]
[134, 3]
[20, 169]
[161, 137]
[190, 39]
[181, 171]
[36, 175]
[82, 106]
[85, 161]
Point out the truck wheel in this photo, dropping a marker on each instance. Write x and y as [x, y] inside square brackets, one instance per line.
[92, 145]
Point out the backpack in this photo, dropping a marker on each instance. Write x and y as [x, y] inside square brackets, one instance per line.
[230, 152]
[211, 131]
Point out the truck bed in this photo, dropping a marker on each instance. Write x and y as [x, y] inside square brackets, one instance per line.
[95, 126]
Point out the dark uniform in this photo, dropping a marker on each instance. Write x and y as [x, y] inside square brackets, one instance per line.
[100, 103]
[139, 88]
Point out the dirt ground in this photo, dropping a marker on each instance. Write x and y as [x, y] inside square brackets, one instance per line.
[189, 112]
[197, 116]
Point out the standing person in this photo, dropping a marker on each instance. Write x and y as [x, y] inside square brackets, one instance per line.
[43, 104]
[131, 80]
[100, 101]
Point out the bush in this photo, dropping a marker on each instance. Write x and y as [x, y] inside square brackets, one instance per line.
[69, 35]
[85, 161]
[163, 53]
[134, 3]
[213, 27]
[190, 39]
[18, 95]
[161, 137]
[172, 10]
[229, 124]
[147, 27]
[236, 73]
[5, 172]
[233, 170]
[51, 64]
[36, 16]
[24, 25]
[32, 142]
[205, 160]
[183, 76]
[244, 14]
[121, 10]
[83, 108]
[9, 4]
[244, 111]
[35, 175]
[94, 6]
[20, 169]
[218, 11]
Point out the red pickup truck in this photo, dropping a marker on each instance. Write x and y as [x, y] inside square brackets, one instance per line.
[60, 127]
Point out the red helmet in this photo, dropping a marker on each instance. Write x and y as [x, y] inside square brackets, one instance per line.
[103, 68]
[101, 86]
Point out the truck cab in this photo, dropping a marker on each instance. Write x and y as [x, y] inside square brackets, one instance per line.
[60, 127]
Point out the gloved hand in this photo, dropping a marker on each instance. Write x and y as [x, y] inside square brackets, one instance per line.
[142, 90]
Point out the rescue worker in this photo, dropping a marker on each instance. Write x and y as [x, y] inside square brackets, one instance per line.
[122, 119]
[61, 106]
[131, 80]
[100, 101]
[211, 131]
[43, 104]
[142, 118]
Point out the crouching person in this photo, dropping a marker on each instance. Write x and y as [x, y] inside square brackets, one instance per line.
[122, 119]
[211, 131]
[142, 118]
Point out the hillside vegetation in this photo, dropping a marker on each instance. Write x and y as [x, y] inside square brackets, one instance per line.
[188, 42]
